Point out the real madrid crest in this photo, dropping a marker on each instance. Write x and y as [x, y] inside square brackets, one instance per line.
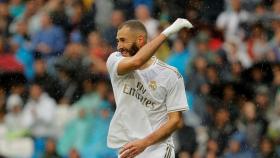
[153, 85]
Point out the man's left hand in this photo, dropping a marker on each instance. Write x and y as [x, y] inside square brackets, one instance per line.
[133, 148]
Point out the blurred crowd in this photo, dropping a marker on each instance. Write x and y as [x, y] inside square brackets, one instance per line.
[56, 99]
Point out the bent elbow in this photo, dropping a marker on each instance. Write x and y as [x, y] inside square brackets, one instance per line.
[179, 123]
[176, 120]
[137, 63]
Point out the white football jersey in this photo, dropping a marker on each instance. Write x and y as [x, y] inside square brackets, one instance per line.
[143, 99]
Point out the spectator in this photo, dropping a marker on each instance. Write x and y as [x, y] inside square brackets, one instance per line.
[102, 15]
[229, 98]
[266, 149]
[274, 42]
[16, 8]
[221, 129]
[97, 46]
[8, 62]
[252, 125]
[163, 51]
[97, 141]
[16, 140]
[148, 3]
[19, 45]
[50, 40]
[98, 53]
[210, 10]
[257, 44]
[63, 114]
[73, 153]
[176, 8]
[262, 99]
[187, 140]
[2, 98]
[180, 57]
[90, 100]
[32, 15]
[57, 11]
[200, 104]
[236, 52]
[29, 10]
[117, 17]
[50, 149]
[80, 19]
[41, 76]
[3, 130]
[5, 19]
[237, 147]
[212, 148]
[236, 69]
[230, 20]
[18, 86]
[38, 115]
[14, 118]
[76, 134]
[143, 14]
[196, 74]
[202, 47]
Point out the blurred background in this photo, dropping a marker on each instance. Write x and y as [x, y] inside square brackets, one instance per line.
[56, 99]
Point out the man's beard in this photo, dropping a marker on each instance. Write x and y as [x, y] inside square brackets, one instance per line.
[132, 51]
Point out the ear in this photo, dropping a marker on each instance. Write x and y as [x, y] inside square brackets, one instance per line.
[141, 40]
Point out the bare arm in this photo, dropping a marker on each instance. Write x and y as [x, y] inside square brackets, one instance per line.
[141, 57]
[147, 51]
[174, 122]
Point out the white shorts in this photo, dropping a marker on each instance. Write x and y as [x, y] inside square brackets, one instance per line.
[158, 151]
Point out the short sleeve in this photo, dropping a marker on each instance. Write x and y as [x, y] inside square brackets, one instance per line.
[176, 97]
[112, 63]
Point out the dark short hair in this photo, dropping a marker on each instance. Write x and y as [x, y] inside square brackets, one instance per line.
[134, 25]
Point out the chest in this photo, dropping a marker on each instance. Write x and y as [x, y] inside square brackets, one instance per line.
[150, 85]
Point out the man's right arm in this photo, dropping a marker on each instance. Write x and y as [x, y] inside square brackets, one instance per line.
[128, 64]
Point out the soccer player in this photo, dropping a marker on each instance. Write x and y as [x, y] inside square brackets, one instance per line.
[149, 94]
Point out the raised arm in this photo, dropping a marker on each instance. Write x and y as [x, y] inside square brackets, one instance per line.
[147, 51]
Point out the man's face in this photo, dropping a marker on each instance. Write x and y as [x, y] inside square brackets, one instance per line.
[127, 42]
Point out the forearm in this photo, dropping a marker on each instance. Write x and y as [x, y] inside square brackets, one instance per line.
[133, 148]
[148, 50]
[163, 132]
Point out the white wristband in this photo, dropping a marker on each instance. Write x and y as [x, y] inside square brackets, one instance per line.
[176, 26]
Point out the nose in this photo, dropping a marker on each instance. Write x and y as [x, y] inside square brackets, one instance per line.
[119, 46]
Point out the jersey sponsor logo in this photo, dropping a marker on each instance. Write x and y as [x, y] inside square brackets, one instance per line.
[153, 85]
[138, 92]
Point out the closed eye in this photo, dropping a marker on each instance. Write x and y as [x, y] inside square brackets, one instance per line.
[121, 40]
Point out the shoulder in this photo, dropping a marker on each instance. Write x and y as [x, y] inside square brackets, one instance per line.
[116, 53]
[168, 70]
[114, 56]
[113, 61]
